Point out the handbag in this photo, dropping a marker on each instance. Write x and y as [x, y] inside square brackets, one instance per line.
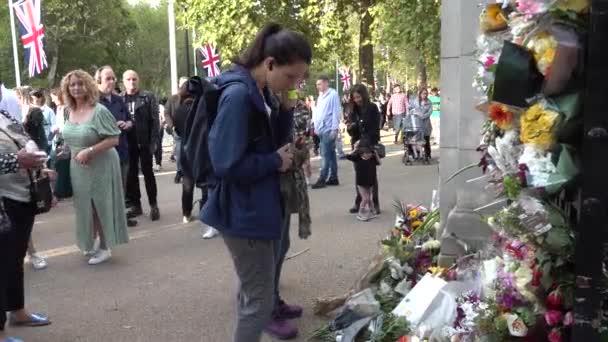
[381, 150]
[41, 192]
[40, 186]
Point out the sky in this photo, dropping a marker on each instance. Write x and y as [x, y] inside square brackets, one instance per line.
[153, 3]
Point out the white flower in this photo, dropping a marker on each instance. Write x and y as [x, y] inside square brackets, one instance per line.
[540, 166]
[431, 245]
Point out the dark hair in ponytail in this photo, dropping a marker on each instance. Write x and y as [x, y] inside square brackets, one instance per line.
[285, 46]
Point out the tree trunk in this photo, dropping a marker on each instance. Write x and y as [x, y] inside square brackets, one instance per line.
[422, 75]
[52, 75]
[366, 48]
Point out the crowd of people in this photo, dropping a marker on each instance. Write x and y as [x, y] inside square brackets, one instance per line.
[93, 138]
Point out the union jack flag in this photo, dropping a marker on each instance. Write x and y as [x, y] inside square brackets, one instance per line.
[345, 77]
[32, 34]
[211, 60]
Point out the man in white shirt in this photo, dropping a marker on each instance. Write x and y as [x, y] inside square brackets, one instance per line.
[9, 102]
[326, 118]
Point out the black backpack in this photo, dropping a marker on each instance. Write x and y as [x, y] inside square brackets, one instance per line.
[194, 156]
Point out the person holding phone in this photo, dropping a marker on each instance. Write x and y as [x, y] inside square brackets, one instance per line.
[248, 150]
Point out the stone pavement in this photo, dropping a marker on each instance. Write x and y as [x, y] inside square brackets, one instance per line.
[168, 284]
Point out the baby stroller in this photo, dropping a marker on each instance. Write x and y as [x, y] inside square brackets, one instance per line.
[413, 139]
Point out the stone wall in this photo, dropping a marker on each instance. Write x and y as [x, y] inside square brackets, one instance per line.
[460, 122]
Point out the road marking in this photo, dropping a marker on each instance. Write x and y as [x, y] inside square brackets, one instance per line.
[72, 249]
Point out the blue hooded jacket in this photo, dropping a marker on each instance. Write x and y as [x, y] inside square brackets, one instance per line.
[244, 194]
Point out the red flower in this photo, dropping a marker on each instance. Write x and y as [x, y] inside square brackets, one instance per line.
[501, 116]
[555, 299]
[536, 276]
[403, 339]
[553, 317]
[555, 335]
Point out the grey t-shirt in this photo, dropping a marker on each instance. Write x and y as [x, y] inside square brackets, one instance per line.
[15, 186]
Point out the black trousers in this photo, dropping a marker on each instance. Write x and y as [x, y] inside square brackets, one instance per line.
[158, 154]
[188, 196]
[140, 155]
[374, 195]
[13, 246]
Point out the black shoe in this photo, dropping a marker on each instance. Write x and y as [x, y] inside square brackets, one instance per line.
[318, 185]
[131, 223]
[134, 212]
[178, 178]
[332, 182]
[154, 213]
[353, 210]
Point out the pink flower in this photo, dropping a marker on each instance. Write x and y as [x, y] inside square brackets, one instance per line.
[530, 7]
[553, 317]
[555, 336]
[568, 319]
[490, 61]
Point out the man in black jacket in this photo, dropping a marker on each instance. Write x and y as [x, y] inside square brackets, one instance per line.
[143, 109]
[106, 83]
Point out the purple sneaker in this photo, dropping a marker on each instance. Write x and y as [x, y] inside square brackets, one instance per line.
[286, 311]
[281, 329]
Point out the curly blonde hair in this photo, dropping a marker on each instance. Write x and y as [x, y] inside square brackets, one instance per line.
[91, 92]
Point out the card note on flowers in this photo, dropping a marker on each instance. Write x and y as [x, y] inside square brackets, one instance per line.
[415, 304]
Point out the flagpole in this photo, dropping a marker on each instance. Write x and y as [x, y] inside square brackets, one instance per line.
[172, 51]
[15, 52]
[338, 76]
[194, 52]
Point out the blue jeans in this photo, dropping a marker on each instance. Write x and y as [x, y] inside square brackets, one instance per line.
[177, 141]
[329, 170]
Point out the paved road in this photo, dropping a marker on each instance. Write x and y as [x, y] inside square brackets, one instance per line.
[168, 284]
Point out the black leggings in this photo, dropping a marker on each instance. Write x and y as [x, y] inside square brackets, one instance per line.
[188, 196]
[13, 246]
[427, 146]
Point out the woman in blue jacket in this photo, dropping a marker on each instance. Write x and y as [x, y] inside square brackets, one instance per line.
[248, 148]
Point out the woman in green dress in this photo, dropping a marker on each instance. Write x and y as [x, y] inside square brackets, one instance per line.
[91, 134]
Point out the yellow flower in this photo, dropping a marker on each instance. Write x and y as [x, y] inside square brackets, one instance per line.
[543, 46]
[413, 213]
[416, 224]
[405, 239]
[537, 125]
[436, 270]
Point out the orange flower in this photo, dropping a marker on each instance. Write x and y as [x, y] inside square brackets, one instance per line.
[501, 116]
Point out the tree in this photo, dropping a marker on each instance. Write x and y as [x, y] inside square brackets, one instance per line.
[84, 34]
[412, 38]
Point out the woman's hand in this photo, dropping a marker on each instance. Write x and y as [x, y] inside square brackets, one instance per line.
[51, 174]
[84, 157]
[30, 160]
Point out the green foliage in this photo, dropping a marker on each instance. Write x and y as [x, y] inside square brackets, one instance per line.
[393, 328]
[410, 39]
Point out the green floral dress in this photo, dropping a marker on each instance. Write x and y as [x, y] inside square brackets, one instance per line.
[99, 183]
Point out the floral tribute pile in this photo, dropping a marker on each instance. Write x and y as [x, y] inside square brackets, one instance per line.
[520, 286]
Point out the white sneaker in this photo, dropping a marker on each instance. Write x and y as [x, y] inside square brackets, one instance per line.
[38, 262]
[210, 233]
[102, 256]
[95, 249]
[187, 219]
[157, 168]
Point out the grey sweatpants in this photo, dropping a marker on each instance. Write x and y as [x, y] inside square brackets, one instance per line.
[254, 261]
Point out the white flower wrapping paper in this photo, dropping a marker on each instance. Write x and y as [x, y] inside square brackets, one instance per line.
[540, 166]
